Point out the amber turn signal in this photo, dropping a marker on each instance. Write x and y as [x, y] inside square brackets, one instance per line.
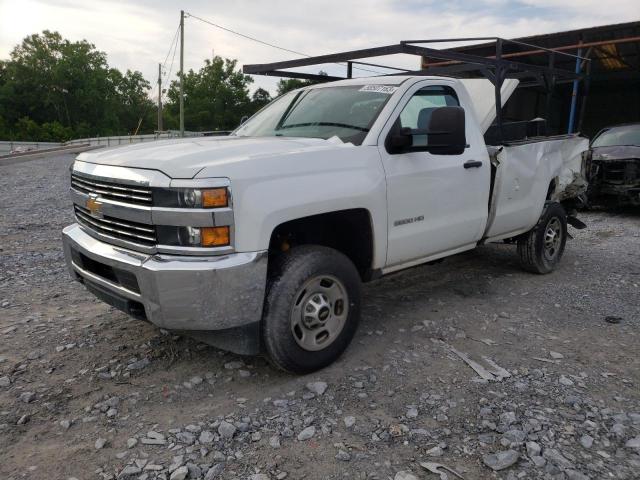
[215, 197]
[214, 236]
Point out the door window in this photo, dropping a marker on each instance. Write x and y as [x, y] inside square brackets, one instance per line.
[416, 115]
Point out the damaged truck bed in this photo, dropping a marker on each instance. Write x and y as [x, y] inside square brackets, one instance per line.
[519, 170]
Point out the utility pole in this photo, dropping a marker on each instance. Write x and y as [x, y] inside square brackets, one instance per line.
[159, 97]
[182, 73]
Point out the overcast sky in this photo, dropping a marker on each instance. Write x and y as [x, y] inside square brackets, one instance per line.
[137, 35]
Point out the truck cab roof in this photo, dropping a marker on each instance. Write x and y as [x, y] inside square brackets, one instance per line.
[395, 80]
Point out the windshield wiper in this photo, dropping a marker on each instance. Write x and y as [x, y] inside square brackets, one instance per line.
[294, 103]
[323, 124]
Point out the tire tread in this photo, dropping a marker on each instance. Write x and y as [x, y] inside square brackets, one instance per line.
[300, 262]
[529, 248]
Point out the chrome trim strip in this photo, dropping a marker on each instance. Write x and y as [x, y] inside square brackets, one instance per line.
[120, 224]
[222, 217]
[201, 183]
[110, 190]
[117, 241]
[183, 217]
[81, 179]
[171, 250]
[125, 175]
[86, 218]
[196, 217]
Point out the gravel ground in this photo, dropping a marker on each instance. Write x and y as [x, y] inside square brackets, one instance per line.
[88, 393]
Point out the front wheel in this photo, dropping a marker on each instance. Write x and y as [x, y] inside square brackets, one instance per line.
[541, 248]
[312, 308]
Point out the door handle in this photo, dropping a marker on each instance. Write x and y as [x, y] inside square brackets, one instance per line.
[472, 164]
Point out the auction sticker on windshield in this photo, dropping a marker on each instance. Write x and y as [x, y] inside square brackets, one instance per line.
[379, 89]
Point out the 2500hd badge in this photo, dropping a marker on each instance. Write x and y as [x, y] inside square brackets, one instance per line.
[405, 221]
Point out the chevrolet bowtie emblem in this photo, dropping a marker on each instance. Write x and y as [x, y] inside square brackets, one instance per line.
[93, 205]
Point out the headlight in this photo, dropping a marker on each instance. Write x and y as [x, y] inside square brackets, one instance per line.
[192, 197]
[194, 236]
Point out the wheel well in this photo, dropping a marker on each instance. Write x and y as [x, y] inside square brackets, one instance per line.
[348, 231]
[552, 188]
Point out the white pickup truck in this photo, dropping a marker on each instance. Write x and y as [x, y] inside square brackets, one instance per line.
[259, 241]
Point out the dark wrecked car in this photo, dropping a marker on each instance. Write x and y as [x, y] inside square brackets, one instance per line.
[613, 166]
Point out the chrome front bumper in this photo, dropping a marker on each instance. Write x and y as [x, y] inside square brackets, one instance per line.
[184, 293]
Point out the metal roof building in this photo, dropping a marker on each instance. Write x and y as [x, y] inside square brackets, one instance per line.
[610, 93]
[574, 81]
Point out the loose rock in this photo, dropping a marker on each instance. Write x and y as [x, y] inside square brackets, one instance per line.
[307, 433]
[317, 387]
[404, 475]
[179, 473]
[501, 460]
[226, 430]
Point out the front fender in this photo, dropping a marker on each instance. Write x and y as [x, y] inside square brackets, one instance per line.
[301, 184]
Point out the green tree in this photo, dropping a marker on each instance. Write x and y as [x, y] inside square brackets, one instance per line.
[133, 102]
[259, 99]
[26, 129]
[55, 132]
[54, 89]
[288, 84]
[215, 98]
[50, 79]
[3, 129]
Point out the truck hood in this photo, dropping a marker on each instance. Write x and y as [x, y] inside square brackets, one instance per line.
[184, 158]
[482, 94]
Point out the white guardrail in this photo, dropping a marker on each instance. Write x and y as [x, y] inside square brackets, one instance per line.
[7, 147]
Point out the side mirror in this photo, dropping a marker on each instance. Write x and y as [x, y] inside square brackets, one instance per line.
[447, 131]
[401, 140]
[244, 119]
[445, 134]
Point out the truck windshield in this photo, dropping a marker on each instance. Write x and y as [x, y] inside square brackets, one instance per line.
[617, 136]
[344, 112]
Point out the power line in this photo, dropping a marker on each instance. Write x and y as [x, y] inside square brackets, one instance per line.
[155, 89]
[245, 36]
[175, 49]
[253, 39]
[175, 38]
[171, 47]
[168, 76]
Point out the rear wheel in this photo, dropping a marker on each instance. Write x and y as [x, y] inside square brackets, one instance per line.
[312, 308]
[541, 248]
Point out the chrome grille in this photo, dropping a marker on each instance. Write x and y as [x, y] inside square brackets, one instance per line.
[134, 232]
[113, 191]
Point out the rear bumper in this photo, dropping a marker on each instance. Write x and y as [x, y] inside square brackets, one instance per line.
[185, 293]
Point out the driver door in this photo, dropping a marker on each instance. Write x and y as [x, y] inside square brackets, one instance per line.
[436, 204]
